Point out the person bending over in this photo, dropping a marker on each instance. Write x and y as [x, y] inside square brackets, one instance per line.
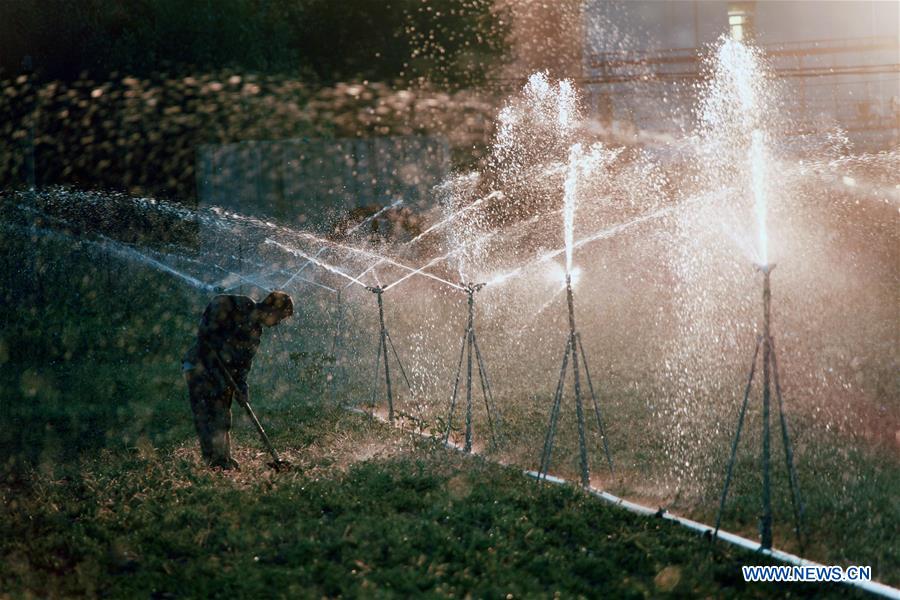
[220, 360]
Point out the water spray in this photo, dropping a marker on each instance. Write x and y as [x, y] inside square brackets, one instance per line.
[378, 257]
[496, 194]
[281, 287]
[317, 262]
[454, 252]
[439, 225]
[602, 234]
[350, 231]
[383, 341]
[770, 372]
[573, 344]
[470, 344]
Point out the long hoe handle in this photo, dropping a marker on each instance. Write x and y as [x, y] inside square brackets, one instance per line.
[246, 404]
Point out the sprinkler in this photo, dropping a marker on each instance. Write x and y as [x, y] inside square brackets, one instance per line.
[470, 343]
[337, 345]
[573, 344]
[770, 371]
[574, 347]
[384, 340]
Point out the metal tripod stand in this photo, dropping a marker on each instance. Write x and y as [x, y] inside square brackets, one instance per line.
[384, 340]
[770, 370]
[573, 349]
[337, 348]
[470, 343]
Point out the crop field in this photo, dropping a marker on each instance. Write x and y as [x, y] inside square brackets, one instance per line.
[104, 493]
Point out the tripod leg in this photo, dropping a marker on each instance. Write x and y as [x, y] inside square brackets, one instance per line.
[416, 402]
[765, 522]
[551, 434]
[579, 417]
[375, 379]
[587, 375]
[498, 415]
[468, 443]
[737, 437]
[559, 398]
[397, 356]
[387, 376]
[335, 349]
[554, 415]
[490, 407]
[455, 389]
[796, 501]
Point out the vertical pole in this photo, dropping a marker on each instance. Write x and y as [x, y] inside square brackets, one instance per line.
[468, 446]
[765, 528]
[335, 345]
[579, 409]
[387, 369]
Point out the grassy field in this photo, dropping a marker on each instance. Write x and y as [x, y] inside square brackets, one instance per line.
[367, 511]
[103, 493]
[849, 490]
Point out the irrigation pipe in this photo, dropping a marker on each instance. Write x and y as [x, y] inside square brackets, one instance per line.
[873, 587]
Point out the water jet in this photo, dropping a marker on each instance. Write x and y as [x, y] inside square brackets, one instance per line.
[573, 345]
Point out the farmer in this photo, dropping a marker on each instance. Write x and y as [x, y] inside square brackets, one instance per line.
[220, 359]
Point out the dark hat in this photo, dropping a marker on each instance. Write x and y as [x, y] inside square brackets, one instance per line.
[278, 302]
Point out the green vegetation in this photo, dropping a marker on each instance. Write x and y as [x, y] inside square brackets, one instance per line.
[448, 42]
[849, 488]
[121, 98]
[427, 521]
[141, 135]
[103, 493]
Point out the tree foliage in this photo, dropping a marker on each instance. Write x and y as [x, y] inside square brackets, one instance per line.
[444, 42]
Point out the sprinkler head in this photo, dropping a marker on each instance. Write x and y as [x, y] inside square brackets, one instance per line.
[471, 288]
[766, 269]
[375, 289]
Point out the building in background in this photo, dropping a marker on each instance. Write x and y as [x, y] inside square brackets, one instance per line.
[839, 62]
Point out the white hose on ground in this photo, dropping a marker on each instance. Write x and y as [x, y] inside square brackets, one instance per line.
[873, 587]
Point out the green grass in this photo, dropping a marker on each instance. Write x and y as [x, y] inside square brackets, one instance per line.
[103, 494]
[426, 521]
[848, 488]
